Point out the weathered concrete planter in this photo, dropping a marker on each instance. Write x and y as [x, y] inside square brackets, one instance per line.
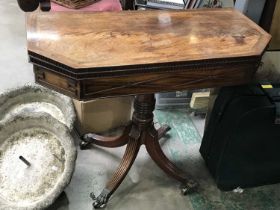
[36, 99]
[37, 160]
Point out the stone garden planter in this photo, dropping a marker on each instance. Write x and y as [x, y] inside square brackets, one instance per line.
[37, 157]
[36, 99]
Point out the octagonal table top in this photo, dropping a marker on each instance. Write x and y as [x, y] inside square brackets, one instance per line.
[85, 40]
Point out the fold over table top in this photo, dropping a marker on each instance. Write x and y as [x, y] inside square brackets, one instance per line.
[90, 40]
[217, 46]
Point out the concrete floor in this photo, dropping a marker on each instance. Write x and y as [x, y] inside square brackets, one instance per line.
[15, 71]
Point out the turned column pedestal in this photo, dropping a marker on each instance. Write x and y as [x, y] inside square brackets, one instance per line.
[140, 131]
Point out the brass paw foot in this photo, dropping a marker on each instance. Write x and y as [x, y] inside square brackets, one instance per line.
[89, 138]
[190, 187]
[86, 142]
[85, 145]
[101, 200]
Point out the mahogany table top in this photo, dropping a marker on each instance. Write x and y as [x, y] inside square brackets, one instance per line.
[88, 40]
[89, 55]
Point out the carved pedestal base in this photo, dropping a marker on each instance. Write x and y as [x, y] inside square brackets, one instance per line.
[140, 131]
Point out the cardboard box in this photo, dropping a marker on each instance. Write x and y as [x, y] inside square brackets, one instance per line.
[101, 115]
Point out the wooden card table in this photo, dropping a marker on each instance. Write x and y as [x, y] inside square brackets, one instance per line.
[94, 55]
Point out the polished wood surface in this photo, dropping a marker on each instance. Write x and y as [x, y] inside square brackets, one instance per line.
[84, 41]
[93, 55]
[118, 84]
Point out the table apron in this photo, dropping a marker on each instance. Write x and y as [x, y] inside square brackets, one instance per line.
[139, 83]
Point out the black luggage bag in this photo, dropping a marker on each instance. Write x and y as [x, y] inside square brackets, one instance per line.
[241, 144]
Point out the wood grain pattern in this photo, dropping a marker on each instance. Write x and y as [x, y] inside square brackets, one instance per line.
[92, 55]
[90, 40]
[143, 83]
[57, 82]
[127, 161]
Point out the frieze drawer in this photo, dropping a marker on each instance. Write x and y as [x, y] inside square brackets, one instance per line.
[58, 82]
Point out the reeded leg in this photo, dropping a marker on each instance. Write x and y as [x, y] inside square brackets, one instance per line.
[131, 152]
[141, 131]
[156, 153]
[105, 141]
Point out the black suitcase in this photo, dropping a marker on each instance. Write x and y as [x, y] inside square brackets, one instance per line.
[241, 144]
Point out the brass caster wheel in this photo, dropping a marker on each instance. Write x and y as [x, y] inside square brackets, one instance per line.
[84, 145]
[190, 187]
[101, 201]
